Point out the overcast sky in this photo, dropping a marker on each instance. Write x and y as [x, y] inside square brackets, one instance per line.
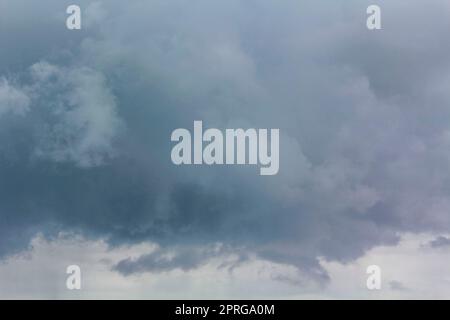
[85, 171]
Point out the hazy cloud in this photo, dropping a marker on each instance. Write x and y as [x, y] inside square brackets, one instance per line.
[12, 99]
[440, 242]
[397, 286]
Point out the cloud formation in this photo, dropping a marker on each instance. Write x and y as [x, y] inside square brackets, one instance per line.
[84, 116]
[12, 99]
[440, 242]
[363, 117]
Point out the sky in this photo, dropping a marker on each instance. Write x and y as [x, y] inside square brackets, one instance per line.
[86, 176]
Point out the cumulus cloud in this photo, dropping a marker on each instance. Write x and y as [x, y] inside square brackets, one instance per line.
[12, 99]
[362, 115]
[78, 120]
[163, 260]
[85, 116]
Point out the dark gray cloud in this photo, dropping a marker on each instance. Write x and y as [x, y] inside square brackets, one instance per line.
[160, 260]
[440, 242]
[397, 286]
[86, 117]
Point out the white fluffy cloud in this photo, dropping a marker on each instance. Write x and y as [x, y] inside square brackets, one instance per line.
[84, 111]
[12, 99]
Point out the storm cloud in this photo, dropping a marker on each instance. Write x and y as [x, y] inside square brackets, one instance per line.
[86, 118]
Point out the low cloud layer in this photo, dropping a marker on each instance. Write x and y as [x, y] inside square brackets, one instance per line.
[440, 242]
